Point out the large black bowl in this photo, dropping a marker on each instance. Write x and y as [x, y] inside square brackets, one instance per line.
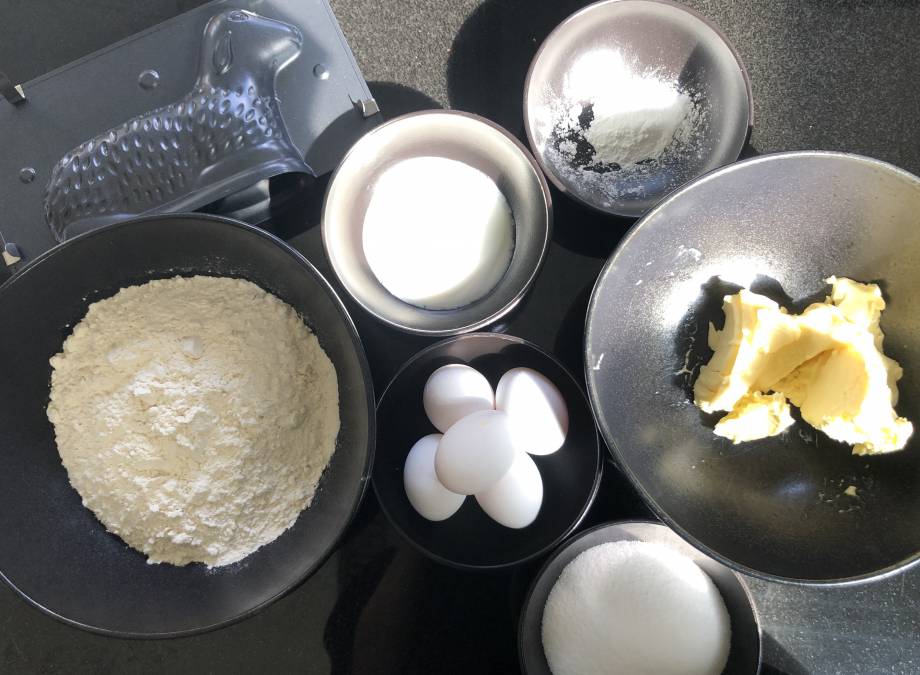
[470, 539]
[54, 552]
[779, 224]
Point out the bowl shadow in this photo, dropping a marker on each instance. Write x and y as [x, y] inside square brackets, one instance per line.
[397, 99]
[492, 51]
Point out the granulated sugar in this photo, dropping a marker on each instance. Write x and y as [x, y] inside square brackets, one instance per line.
[637, 608]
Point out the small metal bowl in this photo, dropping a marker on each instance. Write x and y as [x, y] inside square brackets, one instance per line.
[744, 657]
[657, 37]
[470, 539]
[463, 137]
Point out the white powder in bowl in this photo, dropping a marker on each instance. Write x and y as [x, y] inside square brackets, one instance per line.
[616, 129]
[438, 233]
[635, 116]
[639, 122]
[194, 417]
[638, 608]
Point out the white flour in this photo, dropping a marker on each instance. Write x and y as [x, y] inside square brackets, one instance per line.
[194, 417]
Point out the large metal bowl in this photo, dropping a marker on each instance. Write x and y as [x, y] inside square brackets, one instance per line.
[54, 552]
[779, 224]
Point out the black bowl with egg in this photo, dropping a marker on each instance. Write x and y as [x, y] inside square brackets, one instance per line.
[470, 539]
[55, 553]
[744, 656]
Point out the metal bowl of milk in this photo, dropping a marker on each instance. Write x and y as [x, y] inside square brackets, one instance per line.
[627, 100]
[437, 222]
[633, 597]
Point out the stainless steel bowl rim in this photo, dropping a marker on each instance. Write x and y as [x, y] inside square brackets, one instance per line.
[495, 316]
[561, 550]
[529, 132]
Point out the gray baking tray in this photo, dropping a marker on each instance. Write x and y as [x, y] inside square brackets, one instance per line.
[254, 93]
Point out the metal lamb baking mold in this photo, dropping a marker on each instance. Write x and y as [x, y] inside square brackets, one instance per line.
[182, 156]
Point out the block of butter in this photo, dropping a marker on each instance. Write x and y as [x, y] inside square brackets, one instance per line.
[827, 361]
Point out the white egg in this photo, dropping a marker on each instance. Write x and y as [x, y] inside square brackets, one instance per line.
[515, 500]
[452, 392]
[475, 452]
[425, 492]
[538, 414]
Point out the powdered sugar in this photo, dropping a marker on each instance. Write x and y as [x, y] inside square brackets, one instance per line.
[194, 416]
[614, 126]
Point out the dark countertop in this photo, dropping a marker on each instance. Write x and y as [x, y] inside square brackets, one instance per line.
[826, 74]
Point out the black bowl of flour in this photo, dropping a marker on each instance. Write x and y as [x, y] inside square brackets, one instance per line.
[57, 555]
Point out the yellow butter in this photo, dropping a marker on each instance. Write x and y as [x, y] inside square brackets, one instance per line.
[756, 416]
[828, 361]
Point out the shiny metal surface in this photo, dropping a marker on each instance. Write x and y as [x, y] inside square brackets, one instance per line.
[744, 656]
[358, 614]
[292, 122]
[656, 37]
[459, 136]
[779, 224]
[224, 135]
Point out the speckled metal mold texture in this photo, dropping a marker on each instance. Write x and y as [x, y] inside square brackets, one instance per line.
[226, 132]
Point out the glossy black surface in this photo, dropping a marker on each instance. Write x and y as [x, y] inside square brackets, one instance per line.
[826, 74]
[470, 538]
[744, 652]
[55, 552]
[780, 225]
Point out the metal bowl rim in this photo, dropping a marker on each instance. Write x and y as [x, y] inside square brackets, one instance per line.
[565, 546]
[608, 435]
[527, 81]
[470, 325]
